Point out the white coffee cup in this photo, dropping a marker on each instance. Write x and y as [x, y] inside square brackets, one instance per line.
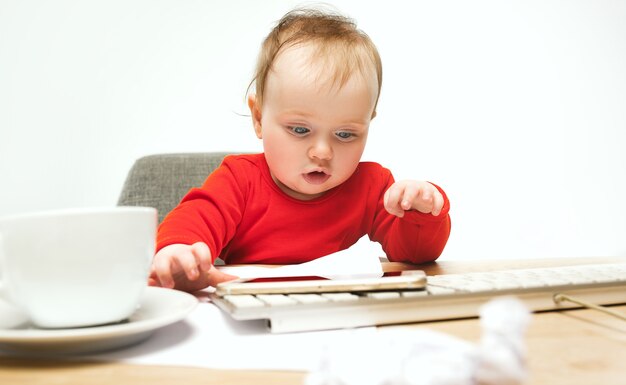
[77, 267]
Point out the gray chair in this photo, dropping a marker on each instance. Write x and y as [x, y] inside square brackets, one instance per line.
[161, 180]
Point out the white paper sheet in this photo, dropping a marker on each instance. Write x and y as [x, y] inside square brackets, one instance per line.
[362, 260]
[211, 339]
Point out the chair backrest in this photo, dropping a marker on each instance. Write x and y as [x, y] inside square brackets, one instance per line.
[161, 180]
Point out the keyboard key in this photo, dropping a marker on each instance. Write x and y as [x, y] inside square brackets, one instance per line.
[276, 299]
[414, 293]
[308, 298]
[243, 301]
[382, 294]
[340, 297]
[477, 286]
[437, 290]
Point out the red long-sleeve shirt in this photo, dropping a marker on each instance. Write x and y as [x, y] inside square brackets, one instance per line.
[244, 217]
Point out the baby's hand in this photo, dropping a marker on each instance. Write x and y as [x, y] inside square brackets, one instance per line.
[185, 267]
[413, 195]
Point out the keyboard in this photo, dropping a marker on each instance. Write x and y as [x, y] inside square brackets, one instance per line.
[449, 296]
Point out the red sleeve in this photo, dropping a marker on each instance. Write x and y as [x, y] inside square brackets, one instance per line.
[209, 214]
[414, 238]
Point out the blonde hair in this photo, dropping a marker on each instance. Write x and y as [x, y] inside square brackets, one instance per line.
[336, 39]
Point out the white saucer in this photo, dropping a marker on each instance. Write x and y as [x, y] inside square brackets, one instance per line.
[158, 307]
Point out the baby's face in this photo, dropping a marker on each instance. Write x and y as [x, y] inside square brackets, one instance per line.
[313, 132]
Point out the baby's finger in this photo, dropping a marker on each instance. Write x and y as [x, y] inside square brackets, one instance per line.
[391, 200]
[427, 201]
[175, 262]
[187, 262]
[152, 281]
[437, 203]
[411, 194]
[427, 195]
[162, 272]
[202, 254]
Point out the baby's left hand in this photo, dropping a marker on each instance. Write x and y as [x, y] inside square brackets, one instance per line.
[413, 195]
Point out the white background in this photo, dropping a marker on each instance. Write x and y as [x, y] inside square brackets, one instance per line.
[516, 108]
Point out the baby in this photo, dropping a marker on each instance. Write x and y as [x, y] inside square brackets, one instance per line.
[318, 79]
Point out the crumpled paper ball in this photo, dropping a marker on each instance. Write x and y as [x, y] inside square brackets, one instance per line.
[426, 357]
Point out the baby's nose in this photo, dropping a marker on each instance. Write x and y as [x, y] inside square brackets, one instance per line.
[321, 149]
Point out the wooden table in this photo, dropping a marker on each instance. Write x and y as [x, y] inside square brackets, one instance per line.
[568, 347]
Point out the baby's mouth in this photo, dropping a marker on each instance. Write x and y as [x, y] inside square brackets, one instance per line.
[316, 177]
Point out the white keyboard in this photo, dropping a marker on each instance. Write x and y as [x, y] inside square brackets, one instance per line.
[447, 296]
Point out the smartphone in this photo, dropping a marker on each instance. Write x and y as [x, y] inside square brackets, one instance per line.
[404, 280]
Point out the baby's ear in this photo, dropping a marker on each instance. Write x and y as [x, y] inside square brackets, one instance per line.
[255, 112]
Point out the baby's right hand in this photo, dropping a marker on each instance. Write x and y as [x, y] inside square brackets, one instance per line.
[185, 267]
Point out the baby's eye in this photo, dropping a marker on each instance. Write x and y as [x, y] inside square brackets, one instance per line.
[299, 130]
[344, 135]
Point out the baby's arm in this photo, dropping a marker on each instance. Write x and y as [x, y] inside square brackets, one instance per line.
[413, 195]
[185, 267]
